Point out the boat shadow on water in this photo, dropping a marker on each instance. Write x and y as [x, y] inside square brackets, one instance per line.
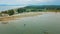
[4, 22]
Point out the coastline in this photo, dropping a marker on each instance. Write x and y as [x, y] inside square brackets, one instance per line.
[16, 16]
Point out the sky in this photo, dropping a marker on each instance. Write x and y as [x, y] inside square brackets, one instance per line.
[11, 4]
[29, 2]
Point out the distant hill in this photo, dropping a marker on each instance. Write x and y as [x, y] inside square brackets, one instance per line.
[43, 6]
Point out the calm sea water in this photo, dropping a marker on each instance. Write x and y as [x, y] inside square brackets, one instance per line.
[3, 8]
[49, 23]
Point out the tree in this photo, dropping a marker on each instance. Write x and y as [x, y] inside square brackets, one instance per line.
[21, 10]
[10, 12]
[5, 12]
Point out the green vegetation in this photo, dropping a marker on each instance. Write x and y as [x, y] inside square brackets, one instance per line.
[0, 14]
[42, 8]
[10, 12]
[21, 10]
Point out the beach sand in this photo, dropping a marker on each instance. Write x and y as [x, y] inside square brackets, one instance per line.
[16, 16]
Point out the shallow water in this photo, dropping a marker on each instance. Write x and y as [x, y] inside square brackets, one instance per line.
[49, 22]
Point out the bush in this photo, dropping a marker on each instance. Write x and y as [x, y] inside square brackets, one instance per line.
[10, 12]
[21, 10]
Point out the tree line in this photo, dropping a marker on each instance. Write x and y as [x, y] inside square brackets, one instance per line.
[28, 9]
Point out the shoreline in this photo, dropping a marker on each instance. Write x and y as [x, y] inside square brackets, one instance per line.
[16, 16]
[22, 15]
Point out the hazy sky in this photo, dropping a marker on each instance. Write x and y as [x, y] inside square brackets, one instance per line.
[10, 4]
[29, 2]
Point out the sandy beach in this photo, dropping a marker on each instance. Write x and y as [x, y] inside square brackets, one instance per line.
[16, 16]
[21, 15]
